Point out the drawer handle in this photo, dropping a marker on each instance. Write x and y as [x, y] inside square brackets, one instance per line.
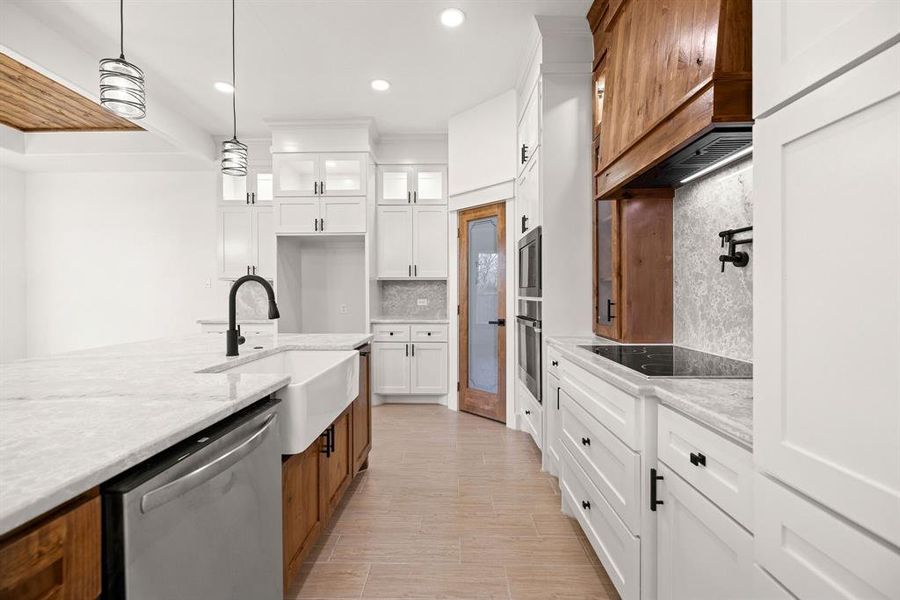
[554, 363]
[527, 412]
[698, 459]
[585, 505]
[653, 479]
[585, 441]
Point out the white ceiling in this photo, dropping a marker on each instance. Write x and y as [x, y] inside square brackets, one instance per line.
[307, 59]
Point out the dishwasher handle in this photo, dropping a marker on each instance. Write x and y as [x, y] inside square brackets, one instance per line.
[200, 475]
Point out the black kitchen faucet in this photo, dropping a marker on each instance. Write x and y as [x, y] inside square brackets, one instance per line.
[233, 337]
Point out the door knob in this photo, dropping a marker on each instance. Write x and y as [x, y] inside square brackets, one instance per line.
[498, 322]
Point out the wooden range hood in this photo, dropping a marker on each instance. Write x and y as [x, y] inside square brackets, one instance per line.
[674, 80]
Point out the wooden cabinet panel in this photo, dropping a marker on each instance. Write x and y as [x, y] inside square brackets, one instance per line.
[303, 514]
[338, 465]
[57, 557]
[362, 415]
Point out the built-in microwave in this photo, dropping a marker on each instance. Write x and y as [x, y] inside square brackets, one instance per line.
[530, 264]
[528, 320]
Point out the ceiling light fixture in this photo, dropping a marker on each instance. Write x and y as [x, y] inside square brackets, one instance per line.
[452, 17]
[122, 83]
[381, 85]
[234, 153]
[224, 87]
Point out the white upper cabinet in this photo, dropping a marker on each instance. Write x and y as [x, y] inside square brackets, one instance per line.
[246, 241]
[529, 130]
[808, 42]
[394, 231]
[528, 197]
[702, 554]
[297, 215]
[254, 188]
[344, 214]
[317, 174]
[826, 407]
[411, 241]
[412, 184]
[429, 241]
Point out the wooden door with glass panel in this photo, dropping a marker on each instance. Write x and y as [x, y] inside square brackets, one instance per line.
[482, 311]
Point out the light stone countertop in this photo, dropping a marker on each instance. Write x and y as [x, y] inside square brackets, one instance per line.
[224, 320]
[72, 421]
[413, 320]
[724, 405]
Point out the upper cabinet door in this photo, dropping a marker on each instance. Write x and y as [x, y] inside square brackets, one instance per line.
[234, 189]
[807, 42]
[429, 241]
[297, 215]
[529, 131]
[394, 241]
[296, 174]
[235, 241]
[528, 198]
[262, 186]
[431, 185]
[343, 215]
[342, 174]
[264, 241]
[395, 184]
[825, 416]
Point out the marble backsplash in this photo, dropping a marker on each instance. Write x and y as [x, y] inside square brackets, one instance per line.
[713, 311]
[399, 299]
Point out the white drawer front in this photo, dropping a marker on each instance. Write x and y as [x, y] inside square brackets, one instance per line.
[532, 416]
[608, 462]
[723, 471]
[617, 549]
[816, 554]
[428, 333]
[608, 404]
[390, 333]
[553, 360]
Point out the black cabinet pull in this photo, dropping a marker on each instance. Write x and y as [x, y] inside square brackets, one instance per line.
[415, 270]
[409, 197]
[429, 334]
[321, 187]
[326, 450]
[333, 437]
[413, 349]
[585, 505]
[585, 441]
[316, 224]
[524, 153]
[254, 269]
[527, 412]
[248, 269]
[653, 479]
[524, 226]
[415, 197]
[252, 197]
[409, 270]
[247, 198]
[391, 333]
[322, 224]
[407, 349]
[554, 363]
[698, 459]
[609, 305]
[316, 188]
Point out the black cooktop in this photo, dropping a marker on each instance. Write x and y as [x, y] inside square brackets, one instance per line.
[674, 361]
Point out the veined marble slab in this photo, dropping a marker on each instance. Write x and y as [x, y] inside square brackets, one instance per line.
[72, 421]
[413, 321]
[724, 405]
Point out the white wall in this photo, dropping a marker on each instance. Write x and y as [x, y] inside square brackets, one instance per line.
[482, 143]
[118, 257]
[12, 264]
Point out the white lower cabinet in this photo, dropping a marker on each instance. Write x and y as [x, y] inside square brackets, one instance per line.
[405, 367]
[701, 552]
[552, 436]
[817, 554]
[531, 415]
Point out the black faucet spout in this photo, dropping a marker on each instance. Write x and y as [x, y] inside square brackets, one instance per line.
[233, 337]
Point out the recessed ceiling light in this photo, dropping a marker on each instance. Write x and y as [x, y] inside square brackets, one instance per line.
[453, 17]
[380, 85]
[224, 87]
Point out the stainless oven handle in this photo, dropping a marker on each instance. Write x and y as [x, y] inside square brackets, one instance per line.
[174, 489]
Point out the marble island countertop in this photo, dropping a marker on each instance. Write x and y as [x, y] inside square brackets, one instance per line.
[725, 405]
[412, 320]
[72, 421]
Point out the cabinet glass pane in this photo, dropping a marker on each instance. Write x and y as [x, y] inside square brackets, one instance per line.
[394, 185]
[606, 306]
[263, 187]
[297, 175]
[234, 188]
[430, 185]
[483, 263]
[343, 175]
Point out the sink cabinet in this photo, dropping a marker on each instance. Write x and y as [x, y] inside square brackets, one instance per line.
[57, 556]
[315, 480]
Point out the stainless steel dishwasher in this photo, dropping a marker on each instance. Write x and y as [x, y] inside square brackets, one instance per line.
[202, 520]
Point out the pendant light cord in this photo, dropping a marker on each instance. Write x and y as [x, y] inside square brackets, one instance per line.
[122, 29]
[233, 77]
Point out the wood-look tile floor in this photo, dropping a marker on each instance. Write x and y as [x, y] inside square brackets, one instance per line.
[452, 506]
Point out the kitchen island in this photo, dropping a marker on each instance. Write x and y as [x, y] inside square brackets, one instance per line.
[72, 421]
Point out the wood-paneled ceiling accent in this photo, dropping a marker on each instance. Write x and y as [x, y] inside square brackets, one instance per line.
[31, 101]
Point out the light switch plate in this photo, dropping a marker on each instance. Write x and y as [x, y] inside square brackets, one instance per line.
[422, 302]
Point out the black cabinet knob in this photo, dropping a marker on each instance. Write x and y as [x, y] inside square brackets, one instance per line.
[585, 505]
[586, 441]
[554, 363]
[391, 333]
[527, 412]
[698, 459]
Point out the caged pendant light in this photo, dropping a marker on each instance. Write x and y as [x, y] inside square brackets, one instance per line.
[234, 153]
[122, 83]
